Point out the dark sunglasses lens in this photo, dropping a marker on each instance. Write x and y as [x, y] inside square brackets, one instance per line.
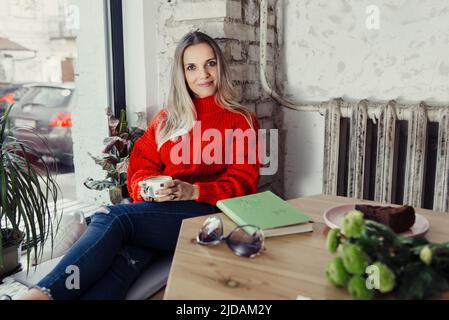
[246, 241]
[211, 231]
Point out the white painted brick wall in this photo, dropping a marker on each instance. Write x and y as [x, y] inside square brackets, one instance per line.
[270, 35]
[251, 12]
[267, 123]
[234, 49]
[234, 10]
[251, 91]
[265, 109]
[186, 11]
[245, 72]
[253, 53]
[271, 19]
[250, 106]
[238, 89]
[241, 32]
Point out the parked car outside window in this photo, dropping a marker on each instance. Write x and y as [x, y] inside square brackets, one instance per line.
[47, 110]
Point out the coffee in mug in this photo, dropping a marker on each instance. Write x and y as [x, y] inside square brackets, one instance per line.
[148, 187]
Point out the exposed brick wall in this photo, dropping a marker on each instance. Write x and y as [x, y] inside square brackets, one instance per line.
[235, 26]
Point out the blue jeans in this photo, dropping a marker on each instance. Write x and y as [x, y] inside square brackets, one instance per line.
[117, 246]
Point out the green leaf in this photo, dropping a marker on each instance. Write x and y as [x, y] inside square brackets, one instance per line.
[420, 281]
[99, 184]
[123, 123]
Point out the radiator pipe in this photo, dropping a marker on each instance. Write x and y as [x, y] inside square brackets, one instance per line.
[263, 68]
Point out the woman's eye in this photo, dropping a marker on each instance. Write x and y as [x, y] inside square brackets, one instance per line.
[212, 63]
[190, 68]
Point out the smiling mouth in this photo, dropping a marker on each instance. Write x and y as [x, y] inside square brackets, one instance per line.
[207, 84]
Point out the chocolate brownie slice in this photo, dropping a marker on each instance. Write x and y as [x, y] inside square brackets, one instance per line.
[399, 219]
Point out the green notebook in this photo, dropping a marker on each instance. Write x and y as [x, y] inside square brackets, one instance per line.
[269, 212]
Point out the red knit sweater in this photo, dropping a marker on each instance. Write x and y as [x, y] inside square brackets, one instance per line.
[215, 181]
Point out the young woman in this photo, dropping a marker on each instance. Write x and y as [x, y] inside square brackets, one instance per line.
[122, 240]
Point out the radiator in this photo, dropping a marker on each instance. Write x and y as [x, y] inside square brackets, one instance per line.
[366, 158]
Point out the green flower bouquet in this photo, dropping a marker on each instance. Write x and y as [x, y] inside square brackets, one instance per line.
[375, 261]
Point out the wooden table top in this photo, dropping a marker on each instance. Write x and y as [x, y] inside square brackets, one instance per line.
[291, 266]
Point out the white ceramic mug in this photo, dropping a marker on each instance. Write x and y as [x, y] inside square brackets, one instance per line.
[148, 187]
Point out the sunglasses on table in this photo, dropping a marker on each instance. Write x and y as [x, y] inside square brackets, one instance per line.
[245, 240]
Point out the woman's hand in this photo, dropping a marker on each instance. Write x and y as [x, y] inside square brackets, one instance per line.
[177, 190]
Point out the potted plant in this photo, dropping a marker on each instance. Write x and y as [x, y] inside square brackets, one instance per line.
[28, 195]
[115, 156]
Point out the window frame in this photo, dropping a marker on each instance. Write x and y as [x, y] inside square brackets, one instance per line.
[117, 87]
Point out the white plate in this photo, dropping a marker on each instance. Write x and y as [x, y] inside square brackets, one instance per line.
[333, 217]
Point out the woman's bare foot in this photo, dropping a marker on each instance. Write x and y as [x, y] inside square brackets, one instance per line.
[33, 294]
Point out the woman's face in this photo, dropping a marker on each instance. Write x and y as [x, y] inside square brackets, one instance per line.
[201, 70]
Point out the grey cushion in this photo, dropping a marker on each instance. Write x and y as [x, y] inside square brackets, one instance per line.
[149, 282]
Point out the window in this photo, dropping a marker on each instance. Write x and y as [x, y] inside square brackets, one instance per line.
[41, 43]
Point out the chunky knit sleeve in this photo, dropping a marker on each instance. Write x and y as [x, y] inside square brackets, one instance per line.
[145, 160]
[242, 175]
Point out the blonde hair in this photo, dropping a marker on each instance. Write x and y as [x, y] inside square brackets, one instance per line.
[180, 110]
